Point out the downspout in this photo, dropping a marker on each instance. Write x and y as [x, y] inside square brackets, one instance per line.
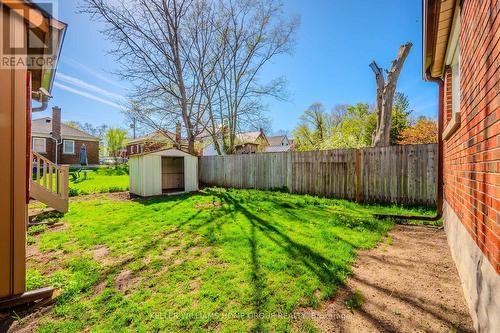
[41, 108]
[43, 97]
[57, 144]
[439, 198]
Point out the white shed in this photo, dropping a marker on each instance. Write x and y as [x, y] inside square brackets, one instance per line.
[163, 172]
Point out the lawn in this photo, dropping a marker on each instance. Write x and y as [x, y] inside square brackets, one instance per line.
[102, 180]
[220, 260]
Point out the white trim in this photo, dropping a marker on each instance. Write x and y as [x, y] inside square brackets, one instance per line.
[454, 36]
[64, 147]
[452, 126]
[44, 144]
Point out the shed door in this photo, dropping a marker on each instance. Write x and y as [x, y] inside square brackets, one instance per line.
[191, 173]
[172, 173]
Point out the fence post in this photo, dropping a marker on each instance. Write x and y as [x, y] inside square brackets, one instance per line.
[358, 175]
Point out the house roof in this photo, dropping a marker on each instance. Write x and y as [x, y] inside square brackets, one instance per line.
[45, 27]
[43, 127]
[437, 23]
[276, 140]
[277, 149]
[250, 137]
[155, 136]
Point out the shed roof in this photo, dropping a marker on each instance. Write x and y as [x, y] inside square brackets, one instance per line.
[173, 152]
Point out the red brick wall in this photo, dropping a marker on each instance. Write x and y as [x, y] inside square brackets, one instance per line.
[137, 148]
[472, 153]
[92, 153]
[146, 147]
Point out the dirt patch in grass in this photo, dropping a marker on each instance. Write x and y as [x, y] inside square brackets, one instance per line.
[49, 261]
[124, 280]
[194, 285]
[409, 285]
[60, 226]
[208, 205]
[114, 196]
[99, 288]
[119, 196]
[101, 254]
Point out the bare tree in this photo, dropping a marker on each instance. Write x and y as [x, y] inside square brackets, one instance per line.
[197, 60]
[254, 32]
[153, 45]
[385, 96]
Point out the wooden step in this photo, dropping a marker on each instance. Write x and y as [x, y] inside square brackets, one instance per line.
[34, 212]
[51, 199]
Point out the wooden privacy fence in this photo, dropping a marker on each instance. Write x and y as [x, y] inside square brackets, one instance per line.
[397, 174]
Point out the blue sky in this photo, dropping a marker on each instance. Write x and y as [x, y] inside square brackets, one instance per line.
[335, 43]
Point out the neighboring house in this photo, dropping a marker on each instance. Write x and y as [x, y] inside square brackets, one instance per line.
[48, 133]
[246, 143]
[461, 53]
[209, 148]
[278, 144]
[150, 142]
[159, 140]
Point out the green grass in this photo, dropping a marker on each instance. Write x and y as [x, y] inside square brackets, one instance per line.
[95, 180]
[355, 300]
[102, 180]
[200, 262]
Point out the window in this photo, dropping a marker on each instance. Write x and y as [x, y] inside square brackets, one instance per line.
[455, 81]
[68, 147]
[39, 145]
[132, 149]
[453, 61]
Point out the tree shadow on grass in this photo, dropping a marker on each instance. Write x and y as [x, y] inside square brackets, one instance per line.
[326, 271]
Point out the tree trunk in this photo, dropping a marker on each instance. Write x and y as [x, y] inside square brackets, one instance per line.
[191, 149]
[385, 96]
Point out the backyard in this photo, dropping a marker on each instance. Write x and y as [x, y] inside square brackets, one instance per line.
[219, 260]
[101, 180]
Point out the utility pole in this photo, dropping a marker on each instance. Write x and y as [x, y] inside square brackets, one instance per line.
[133, 126]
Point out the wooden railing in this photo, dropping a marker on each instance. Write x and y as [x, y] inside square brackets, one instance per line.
[49, 183]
